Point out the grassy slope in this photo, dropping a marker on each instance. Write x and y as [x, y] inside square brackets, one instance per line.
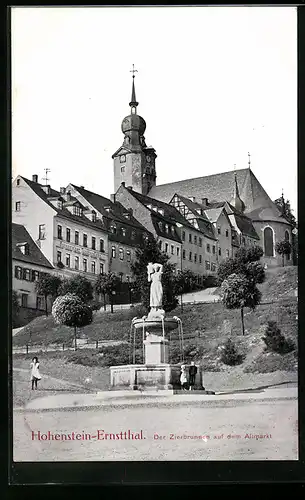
[205, 324]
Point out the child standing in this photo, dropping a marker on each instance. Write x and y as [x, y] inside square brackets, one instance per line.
[35, 375]
[183, 377]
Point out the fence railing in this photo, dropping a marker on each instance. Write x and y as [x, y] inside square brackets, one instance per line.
[32, 348]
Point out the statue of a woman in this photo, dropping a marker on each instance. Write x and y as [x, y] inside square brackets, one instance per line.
[154, 272]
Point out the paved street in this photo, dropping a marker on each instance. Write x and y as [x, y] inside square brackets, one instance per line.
[275, 420]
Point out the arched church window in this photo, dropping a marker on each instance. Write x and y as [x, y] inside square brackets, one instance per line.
[268, 242]
[286, 236]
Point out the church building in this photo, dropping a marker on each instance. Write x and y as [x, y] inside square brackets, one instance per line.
[228, 210]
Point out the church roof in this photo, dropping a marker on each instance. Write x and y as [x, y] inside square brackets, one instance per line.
[221, 187]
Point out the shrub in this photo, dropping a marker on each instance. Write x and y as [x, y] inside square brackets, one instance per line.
[86, 358]
[275, 341]
[95, 306]
[230, 355]
[119, 355]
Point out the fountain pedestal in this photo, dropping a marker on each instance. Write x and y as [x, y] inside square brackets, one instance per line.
[156, 349]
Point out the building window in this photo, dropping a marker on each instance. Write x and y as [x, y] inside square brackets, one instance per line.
[160, 244]
[40, 303]
[207, 265]
[18, 273]
[133, 235]
[195, 240]
[68, 235]
[18, 182]
[93, 242]
[59, 204]
[190, 256]
[122, 158]
[200, 259]
[195, 257]
[101, 268]
[93, 216]
[93, 267]
[101, 245]
[85, 267]
[227, 233]
[68, 260]
[219, 252]
[172, 249]
[200, 242]
[183, 254]
[113, 252]
[127, 278]
[123, 169]
[121, 254]
[85, 240]
[121, 276]
[286, 236]
[166, 247]
[123, 231]
[59, 232]
[213, 266]
[41, 231]
[218, 230]
[183, 235]
[27, 274]
[178, 251]
[214, 249]
[58, 257]
[190, 238]
[35, 275]
[77, 210]
[227, 253]
[113, 229]
[18, 206]
[24, 300]
[128, 253]
[76, 238]
[166, 228]
[76, 263]
[208, 248]
[243, 240]
[24, 249]
[268, 242]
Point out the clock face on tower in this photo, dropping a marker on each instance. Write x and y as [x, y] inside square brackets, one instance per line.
[148, 159]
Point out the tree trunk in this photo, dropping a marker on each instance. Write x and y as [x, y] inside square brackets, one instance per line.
[75, 342]
[104, 301]
[111, 303]
[242, 320]
[46, 304]
[181, 303]
[283, 259]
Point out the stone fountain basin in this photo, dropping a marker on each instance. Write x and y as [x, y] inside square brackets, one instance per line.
[155, 325]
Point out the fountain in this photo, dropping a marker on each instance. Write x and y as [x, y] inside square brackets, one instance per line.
[155, 372]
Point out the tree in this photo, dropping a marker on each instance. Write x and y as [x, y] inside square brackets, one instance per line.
[149, 251]
[48, 285]
[230, 354]
[283, 248]
[275, 341]
[238, 292]
[286, 210]
[78, 285]
[15, 308]
[106, 284]
[246, 263]
[70, 310]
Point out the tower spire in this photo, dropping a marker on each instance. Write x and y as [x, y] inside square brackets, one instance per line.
[133, 103]
[237, 201]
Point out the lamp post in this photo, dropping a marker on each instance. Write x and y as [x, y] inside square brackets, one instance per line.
[113, 293]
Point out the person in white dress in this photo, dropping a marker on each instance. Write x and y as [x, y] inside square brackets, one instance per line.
[183, 378]
[35, 374]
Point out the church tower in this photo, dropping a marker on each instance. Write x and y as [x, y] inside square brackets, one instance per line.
[134, 162]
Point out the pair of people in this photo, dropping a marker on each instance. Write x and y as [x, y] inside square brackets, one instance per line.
[35, 374]
[185, 383]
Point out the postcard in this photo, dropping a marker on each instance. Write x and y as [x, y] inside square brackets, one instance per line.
[154, 234]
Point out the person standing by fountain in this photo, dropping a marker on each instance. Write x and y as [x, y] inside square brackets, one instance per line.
[192, 374]
[183, 378]
[154, 272]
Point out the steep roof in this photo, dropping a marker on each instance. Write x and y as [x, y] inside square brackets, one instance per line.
[116, 209]
[221, 187]
[35, 256]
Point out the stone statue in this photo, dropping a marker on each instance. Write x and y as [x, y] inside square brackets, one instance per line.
[154, 274]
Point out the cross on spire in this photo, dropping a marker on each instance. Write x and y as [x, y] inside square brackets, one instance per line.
[249, 160]
[133, 71]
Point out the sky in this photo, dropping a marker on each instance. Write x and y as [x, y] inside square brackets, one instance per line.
[213, 84]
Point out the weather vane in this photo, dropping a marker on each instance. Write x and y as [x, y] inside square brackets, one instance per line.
[133, 71]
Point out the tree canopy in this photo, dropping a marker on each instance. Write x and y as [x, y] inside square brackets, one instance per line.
[78, 285]
[48, 285]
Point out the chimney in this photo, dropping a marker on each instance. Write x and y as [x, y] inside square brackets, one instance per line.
[112, 198]
[123, 184]
[69, 196]
[47, 188]
[204, 202]
[129, 187]
[62, 190]
[82, 187]
[35, 178]
[193, 198]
